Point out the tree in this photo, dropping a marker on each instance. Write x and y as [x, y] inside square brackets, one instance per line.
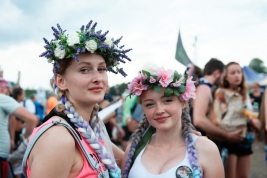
[258, 65]
[117, 89]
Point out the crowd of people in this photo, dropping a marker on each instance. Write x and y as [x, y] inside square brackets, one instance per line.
[161, 111]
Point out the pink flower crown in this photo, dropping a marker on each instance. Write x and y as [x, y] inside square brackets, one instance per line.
[175, 83]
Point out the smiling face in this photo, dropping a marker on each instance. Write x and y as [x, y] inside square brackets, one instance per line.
[85, 82]
[163, 113]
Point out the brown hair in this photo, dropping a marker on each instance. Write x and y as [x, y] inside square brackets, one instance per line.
[242, 87]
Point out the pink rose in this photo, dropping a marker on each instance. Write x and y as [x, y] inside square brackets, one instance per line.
[189, 90]
[178, 83]
[136, 86]
[152, 80]
[165, 77]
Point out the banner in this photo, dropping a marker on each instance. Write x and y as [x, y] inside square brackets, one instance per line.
[180, 54]
[108, 110]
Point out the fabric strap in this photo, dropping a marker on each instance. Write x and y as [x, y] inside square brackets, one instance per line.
[90, 160]
[146, 137]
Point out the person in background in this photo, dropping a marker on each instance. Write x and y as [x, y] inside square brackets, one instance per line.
[229, 110]
[263, 119]
[39, 108]
[213, 72]
[10, 106]
[51, 102]
[195, 71]
[256, 95]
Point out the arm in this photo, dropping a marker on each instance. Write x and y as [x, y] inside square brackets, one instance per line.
[12, 128]
[209, 154]
[201, 104]
[103, 105]
[125, 157]
[54, 155]
[118, 154]
[30, 119]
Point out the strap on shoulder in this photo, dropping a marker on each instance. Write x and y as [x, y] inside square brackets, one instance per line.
[146, 137]
[90, 160]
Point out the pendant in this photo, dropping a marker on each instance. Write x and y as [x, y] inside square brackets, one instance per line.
[184, 172]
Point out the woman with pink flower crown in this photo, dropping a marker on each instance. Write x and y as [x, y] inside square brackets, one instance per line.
[163, 144]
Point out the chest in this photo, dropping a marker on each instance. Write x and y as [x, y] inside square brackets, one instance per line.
[163, 160]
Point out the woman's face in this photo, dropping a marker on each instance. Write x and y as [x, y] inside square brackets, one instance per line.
[85, 81]
[234, 75]
[162, 112]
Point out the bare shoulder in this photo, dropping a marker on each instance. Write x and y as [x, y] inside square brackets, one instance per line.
[203, 89]
[208, 153]
[206, 146]
[125, 157]
[55, 147]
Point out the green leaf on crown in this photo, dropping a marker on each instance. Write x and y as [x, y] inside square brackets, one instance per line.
[157, 88]
[168, 92]
[146, 73]
[175, 76]
[181, 88]
[176, 92]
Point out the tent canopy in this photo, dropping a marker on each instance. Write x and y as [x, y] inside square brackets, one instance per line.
[252, 76]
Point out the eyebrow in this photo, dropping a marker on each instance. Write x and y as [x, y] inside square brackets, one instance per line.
[152, 99]
[88, 63]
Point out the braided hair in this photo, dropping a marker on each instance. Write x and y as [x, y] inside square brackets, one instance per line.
[90, 132]
[187, 129]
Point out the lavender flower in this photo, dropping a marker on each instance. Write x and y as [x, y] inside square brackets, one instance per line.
[82, 28]
[62, 47]
[46, 41]
[55, 30]
[59, 28]
[122, 72]
[93, 27]
[121, 46]
[76, 58]
[83, 49]
[89, 24]
[117, 41]
[78, 51]
[112, 70]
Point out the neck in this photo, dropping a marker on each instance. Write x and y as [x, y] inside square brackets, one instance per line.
[210, 79]
[170, 137]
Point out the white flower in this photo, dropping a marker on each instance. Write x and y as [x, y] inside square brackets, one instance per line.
[59, 53]
[108, 41]
[73, 38]
[151, 68]
[91, 46]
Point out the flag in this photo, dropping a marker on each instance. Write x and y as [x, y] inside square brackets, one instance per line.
[180, 54]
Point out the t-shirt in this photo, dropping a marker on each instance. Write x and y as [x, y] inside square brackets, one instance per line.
[7, 106]
[29, 105]
[51, 103]
[138, 113]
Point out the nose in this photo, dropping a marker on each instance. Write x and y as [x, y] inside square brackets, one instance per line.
[97, 77]
[160, 110]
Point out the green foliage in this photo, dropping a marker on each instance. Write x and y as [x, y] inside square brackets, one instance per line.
[168, 92]
[117, 89]
[258, 65]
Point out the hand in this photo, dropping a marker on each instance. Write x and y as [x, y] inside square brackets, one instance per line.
[12, 144]
[121, 132]
[234, 136]
[197, 133]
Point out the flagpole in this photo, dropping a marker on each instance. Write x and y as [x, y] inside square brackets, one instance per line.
[195, 45]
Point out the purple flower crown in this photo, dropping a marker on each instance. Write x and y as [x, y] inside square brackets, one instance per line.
[175, 83]
[86, 39]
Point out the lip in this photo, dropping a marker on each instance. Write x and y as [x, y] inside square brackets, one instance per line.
[161, 119]
[96, 89]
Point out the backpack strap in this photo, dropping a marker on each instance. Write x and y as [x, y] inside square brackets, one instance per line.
[90, 160]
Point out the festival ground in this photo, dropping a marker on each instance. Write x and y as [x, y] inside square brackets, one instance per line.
[258, 166]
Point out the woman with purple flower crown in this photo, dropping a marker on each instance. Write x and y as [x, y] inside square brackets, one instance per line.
[163, 144]
[80, 61]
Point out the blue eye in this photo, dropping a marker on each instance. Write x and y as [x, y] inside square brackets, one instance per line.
[102, 69]
[84, 70]
[149, 105]
[168, 100]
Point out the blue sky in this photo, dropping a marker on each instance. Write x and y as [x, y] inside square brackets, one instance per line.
[227, 30]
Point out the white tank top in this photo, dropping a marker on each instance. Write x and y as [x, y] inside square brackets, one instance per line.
[182, 170]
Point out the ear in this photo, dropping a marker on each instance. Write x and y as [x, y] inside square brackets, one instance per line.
[184, 103]
[216, 73]
[61, 82]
